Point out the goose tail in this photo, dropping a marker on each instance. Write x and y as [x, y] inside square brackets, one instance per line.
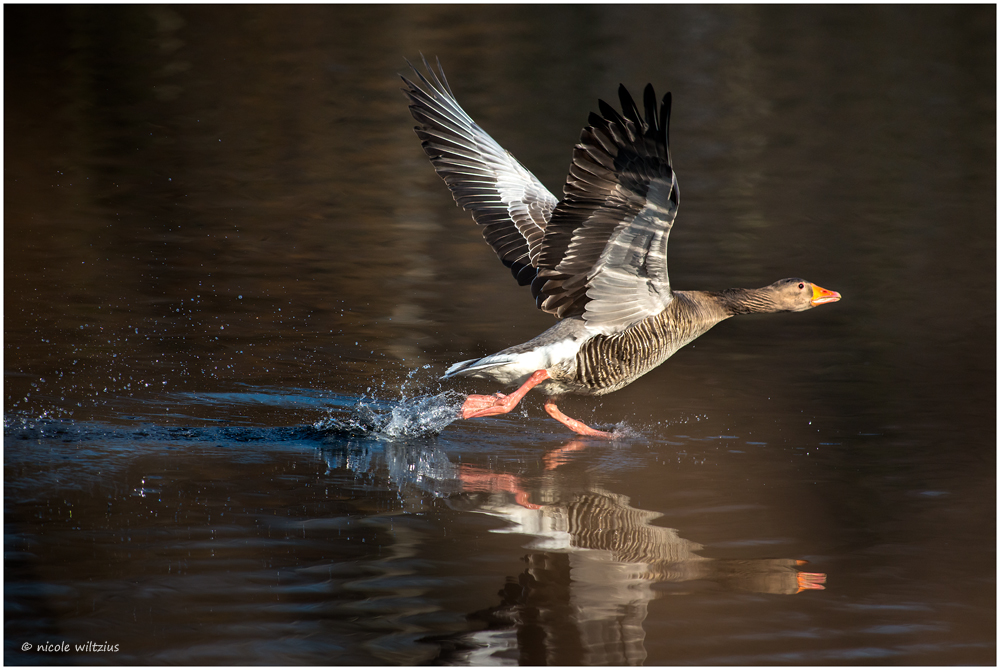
[459, 367]
[486, 367]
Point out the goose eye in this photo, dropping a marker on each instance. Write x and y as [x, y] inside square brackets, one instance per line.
[802, 286]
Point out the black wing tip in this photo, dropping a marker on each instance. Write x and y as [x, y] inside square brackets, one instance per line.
[440, 81]
[655, 125]
[609, 113]
[629, 110]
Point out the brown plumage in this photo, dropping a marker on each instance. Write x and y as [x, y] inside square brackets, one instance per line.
[597, 259]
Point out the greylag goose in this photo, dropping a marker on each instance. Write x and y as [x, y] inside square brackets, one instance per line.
[596, 260]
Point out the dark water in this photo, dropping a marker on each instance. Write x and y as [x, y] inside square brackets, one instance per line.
[232, 280]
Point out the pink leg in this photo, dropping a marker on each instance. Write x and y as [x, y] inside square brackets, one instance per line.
[557, 457]
[478, 479]
[573, 424]
[490, 405]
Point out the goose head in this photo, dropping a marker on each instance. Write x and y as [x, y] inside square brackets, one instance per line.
[797, 295]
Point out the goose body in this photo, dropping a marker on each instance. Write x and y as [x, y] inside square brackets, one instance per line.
[595, 259]
[583, 361]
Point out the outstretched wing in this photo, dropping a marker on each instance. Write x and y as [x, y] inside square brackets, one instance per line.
[604, 255]
[504, 198]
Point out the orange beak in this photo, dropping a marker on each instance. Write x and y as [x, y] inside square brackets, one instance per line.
[821, 295]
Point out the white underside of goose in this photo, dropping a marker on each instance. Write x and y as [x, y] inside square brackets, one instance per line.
[513, 366]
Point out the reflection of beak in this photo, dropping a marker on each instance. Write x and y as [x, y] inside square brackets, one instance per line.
[821, 295]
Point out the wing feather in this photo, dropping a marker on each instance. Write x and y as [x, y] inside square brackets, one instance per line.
[504, 198]
[604, 252]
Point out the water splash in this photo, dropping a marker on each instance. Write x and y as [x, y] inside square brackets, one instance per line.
[420, 416]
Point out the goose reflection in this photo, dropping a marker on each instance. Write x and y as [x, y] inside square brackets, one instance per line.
[603, 526]
[606, 525]
[594, 561]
